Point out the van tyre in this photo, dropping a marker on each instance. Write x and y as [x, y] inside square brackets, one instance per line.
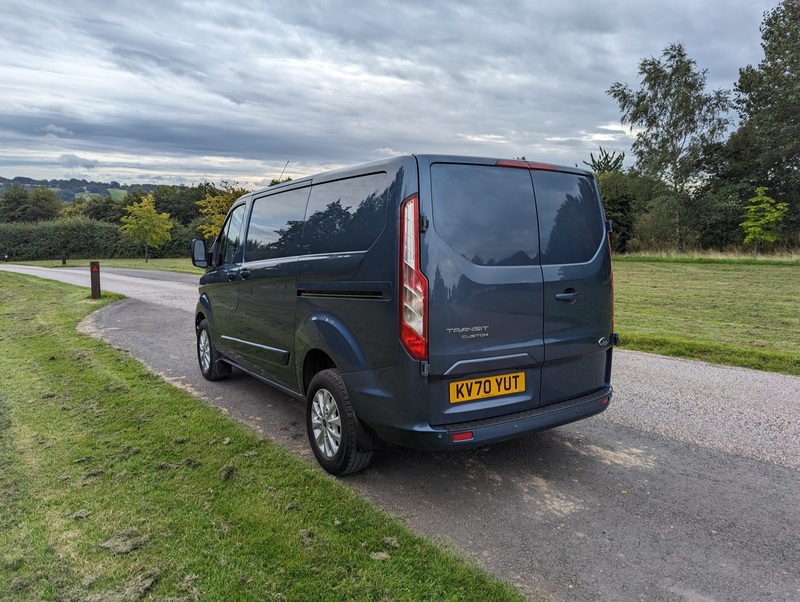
[207, 356]
[332, 426]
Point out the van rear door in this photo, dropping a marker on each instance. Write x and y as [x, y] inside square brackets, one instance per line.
[485, 290]
[576, 264]
[520, 301]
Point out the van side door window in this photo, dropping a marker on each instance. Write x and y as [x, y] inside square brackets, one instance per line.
[276, 225]
[230, 243]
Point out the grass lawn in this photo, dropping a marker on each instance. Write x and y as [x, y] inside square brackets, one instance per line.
[737, 312]
[115, 485]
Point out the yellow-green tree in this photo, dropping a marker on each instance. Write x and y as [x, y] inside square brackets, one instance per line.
[145, 224]
[763, 219]
[214, 207]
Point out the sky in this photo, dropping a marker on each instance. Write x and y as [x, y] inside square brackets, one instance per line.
[192, 91]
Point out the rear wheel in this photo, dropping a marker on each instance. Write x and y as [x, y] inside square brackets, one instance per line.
[332, 426]
[207, 356]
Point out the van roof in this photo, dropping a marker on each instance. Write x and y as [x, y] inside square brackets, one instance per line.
[382, 164]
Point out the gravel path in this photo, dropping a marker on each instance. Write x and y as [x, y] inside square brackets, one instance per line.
[744, 412]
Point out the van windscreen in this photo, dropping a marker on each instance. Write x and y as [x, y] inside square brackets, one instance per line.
[486, 213]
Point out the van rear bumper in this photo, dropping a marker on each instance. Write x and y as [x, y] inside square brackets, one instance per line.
[465, 435]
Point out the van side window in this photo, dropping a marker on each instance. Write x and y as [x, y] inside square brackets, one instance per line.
[231, 237]
[570, 219]
[346, 215]
[486, 213]
[276, 225]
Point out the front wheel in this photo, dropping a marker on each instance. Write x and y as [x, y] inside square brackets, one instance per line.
[207, 356]
[332, 426]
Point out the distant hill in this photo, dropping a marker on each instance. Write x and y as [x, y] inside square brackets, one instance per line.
[68, 190]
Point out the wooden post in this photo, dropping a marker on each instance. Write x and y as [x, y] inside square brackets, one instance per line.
[94, 268]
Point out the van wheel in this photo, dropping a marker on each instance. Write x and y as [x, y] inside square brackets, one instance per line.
[332, 426]
[207, 356]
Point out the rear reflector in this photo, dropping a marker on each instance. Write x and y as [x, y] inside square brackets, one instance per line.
[462, 436]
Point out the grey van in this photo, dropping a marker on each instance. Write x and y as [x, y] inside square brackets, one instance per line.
[434, 302]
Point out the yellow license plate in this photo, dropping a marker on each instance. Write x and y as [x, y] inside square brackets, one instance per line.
[490, 386]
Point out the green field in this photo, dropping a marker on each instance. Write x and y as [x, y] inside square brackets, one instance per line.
[177, 264]
[738, 312]
[116, 486]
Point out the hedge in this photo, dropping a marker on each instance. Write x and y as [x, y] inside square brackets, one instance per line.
[82, 237]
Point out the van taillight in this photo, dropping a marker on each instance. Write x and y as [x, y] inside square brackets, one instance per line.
[414, 298]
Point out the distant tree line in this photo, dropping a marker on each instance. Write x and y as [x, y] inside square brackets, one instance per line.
[152, 221]
[697, 181]
[148, 221]
[73, 189]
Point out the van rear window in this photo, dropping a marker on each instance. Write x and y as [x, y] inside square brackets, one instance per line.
[570, 218]
[489, 216]
[486, 213]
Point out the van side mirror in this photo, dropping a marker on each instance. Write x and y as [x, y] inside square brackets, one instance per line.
[199, 257]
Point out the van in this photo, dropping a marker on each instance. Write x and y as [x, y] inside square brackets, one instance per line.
[435, 302]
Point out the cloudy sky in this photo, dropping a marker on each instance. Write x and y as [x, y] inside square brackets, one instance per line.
[211, 90]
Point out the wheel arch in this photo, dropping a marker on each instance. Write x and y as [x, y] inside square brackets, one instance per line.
[325, 341]
[203, 311]
[315, 361]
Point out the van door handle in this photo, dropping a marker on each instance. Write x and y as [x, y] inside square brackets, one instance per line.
[569, 296]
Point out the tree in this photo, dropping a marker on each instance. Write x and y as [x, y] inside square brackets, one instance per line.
[103, 208]
[605, 163]
[677, 120]
[181, 201]
[146, 225]
[214, 207]
[619, 201]
[37, 205]
[763, 219]
[768, 101]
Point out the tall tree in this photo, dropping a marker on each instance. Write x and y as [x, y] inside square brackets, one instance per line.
[677, 119]
[768, 101]
[605, 162]
[146, 225]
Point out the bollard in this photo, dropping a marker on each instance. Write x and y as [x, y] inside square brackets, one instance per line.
[94, 268]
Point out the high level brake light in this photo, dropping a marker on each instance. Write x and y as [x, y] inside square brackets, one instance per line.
[525, 164]
[414, 285]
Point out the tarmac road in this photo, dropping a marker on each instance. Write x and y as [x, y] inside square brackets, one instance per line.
[686, 488]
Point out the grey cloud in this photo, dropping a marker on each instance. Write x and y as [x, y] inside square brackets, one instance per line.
[74, 161]
[55, 130]
[140, 61]
[205, 88]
